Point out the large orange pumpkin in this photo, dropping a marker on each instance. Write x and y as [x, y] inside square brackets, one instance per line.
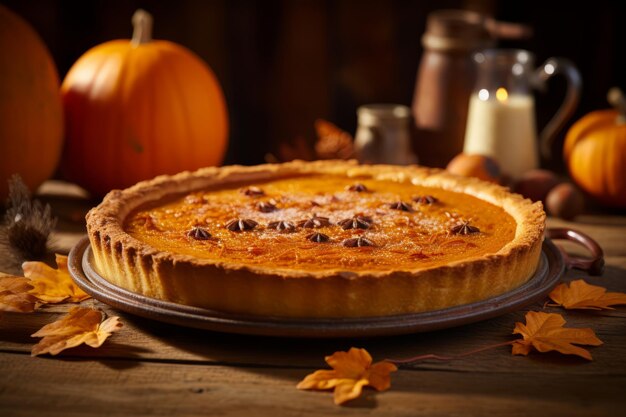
[595, 152]
[140, 108]
[31, 118]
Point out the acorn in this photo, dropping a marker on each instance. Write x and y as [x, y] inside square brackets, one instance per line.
[536, 184]
[565, 201]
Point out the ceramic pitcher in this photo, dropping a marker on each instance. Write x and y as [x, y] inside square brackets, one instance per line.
[446, 77]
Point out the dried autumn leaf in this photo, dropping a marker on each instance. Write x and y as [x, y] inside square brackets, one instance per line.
[14, 294]
[580, 295]
[53, 285]
[80, 325]
[332, 143]
[545, 332]
[299, 148]
[351, 371]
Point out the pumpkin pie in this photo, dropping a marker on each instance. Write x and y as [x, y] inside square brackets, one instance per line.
[317, 239]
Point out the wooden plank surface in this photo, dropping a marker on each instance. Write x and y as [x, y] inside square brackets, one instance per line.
[128, 388]
[149, 341]
[154, 340]
[152, 368]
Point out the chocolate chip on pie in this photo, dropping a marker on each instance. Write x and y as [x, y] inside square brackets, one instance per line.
[425, 199]
[199, 233]
[464, 229]
[401, 205]
[358, 187]
[266, 207]
[314, 222]
[318, 237]
[357, 242]
[252, 192]
[356, 222]
[240, 225]
[282, 226]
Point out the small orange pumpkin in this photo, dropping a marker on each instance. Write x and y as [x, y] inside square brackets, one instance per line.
[31, 118]
[595, 152]
[140, 108]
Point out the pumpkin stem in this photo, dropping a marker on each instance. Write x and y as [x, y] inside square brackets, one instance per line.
[142, 27]
[616, 98]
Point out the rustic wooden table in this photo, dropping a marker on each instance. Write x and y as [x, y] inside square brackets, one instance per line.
[151, 368]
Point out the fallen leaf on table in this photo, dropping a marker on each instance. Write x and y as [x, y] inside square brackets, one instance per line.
[545, 332]
[580, 295]
[299, 148]
[14, 294]
[53, 285]
[332, 143]
[351, 371]
[80, 325]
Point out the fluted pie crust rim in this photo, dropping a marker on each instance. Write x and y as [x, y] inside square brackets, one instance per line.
[265, 291]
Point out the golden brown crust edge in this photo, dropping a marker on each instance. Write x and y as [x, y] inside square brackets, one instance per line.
[133, 265]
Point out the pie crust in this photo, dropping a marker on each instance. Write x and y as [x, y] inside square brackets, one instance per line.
[265, 289]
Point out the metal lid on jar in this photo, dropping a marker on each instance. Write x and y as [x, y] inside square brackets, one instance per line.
[455, 30]
[377, 114]
[463, 30]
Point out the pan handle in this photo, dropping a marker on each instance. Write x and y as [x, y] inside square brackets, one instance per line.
[594, 265]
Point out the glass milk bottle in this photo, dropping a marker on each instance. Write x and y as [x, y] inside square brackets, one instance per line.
[501, 115]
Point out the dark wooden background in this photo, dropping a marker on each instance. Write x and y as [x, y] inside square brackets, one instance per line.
[283, 64]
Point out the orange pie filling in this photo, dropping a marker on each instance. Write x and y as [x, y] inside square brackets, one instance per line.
[320, 239]
[323, 222]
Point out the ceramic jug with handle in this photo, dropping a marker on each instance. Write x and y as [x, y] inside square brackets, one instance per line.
[446, 78]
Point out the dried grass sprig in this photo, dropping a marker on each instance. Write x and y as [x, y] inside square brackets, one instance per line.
[27, 224]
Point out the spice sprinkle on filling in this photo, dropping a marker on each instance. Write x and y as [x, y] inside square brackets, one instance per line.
[365, 225]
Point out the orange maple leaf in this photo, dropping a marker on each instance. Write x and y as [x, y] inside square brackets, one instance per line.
[352, 370]
[14, 294]
[80, 325]
[545, 332]
[53, 285]
[580, 295]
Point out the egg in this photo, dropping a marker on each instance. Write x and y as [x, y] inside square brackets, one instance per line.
[474, 165]
[565, 201]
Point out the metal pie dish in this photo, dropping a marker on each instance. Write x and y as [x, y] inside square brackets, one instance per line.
[548, 273]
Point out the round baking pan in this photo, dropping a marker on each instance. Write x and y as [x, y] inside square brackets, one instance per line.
[552, 264]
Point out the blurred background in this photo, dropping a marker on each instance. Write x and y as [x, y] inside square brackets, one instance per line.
[284, 64]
